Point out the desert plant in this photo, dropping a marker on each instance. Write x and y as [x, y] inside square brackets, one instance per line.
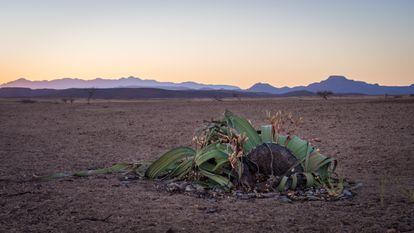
[232, 153]
[324, 94]
[382, 185]
[27, 101]
[237, 96]
[408, 194]
[218, 98]
[91, 92]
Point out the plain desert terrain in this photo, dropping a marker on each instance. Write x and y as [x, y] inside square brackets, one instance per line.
[372, 137]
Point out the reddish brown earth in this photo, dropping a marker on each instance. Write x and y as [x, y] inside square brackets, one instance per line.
[371, 137]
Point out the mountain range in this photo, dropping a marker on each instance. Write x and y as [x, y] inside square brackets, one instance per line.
[130, 82]
[336, 84]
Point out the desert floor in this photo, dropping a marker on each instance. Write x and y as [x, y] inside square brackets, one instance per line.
[373, 138]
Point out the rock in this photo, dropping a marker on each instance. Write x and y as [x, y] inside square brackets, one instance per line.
[211, 200]
[356, 186]
[270, 195]
[252, 195]
[212, 210]
[347, 194]
[285, 199]
[312, 198]
[237, 193]
[199, 188]
[176, 186]
[189, 188]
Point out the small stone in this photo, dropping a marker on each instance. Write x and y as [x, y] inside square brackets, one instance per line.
[212, 210]
[199, 188]
[237, 193]
[347, 193]
[243, 196]
[211, 200]
[189, 188]
[125, 183]
[312, 198]
[356, 186]
[252, 195]
[176, 186]
[270, 195]
[285, 199]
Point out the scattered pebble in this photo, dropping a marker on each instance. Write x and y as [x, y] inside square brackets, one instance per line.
[212, 195]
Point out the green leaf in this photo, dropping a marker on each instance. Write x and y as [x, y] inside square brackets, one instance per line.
[266, 133]
[167, 161]
[116, 168]
[299, 148]
[53, 176]
[282, 184]
[208, 153]
[294, 181]
[281, 140]
[220, 164]
[310, 180]
[242, 126]
[220, 180]
[182, 169]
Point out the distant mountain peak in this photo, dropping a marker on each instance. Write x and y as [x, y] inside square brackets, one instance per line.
[337, 77]
[262, 84]
[262, 87]
[22, 79]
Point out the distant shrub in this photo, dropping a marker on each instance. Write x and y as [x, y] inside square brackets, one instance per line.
[217, 98]
[27, 101]
[237, 96]
[324, 94]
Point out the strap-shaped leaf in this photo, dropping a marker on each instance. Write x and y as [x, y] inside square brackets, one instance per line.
[282, 184]
[294, 181]
[242, 126]
[310, 180]
[182, 169]
[299, 148]
[266, 133]
[210, 152]
[116, 168]
[168, 160]
[220, 180]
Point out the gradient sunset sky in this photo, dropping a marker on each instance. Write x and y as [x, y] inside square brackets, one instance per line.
[216, 42]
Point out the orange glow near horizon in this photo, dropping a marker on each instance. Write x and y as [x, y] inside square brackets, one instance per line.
[236, 43]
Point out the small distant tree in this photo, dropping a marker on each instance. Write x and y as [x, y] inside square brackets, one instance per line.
[64, 100]
[324, 94]
[71, 100]
[28, 101]
[218, 98]
[237, 96]
[91, 92]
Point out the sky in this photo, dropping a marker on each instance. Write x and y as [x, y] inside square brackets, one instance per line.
[284, 43]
